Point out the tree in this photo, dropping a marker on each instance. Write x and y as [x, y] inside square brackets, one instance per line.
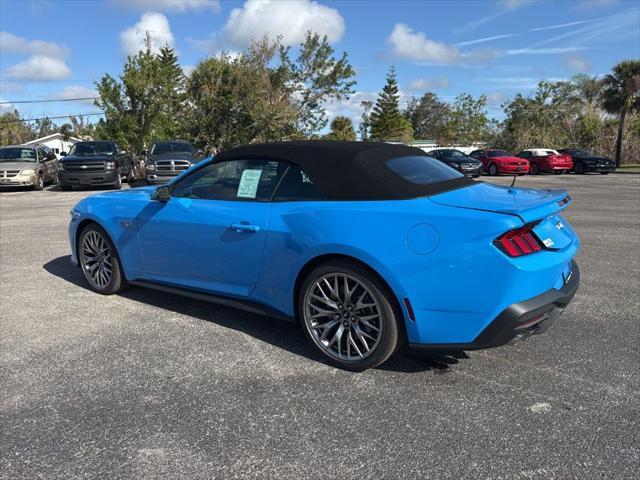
[13, 130]
[146, 103]
[365, 123]
[427, 115]
[45, 126]
[387, 124]
[66, 130]
[341, 129]
[314, 78]
[621, 95]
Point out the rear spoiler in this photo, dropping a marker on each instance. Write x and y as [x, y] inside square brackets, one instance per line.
[556, 201]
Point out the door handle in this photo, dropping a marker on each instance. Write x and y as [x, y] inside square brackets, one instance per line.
[244, 227]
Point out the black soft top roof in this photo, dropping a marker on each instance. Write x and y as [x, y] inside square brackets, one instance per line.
[347, 170]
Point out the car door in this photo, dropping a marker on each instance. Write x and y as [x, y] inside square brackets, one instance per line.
[47, 164]
[210, 234]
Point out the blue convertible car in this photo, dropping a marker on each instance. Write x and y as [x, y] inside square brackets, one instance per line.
[368, 246]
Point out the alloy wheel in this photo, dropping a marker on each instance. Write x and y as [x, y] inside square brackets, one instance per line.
[97, 260]
[343, 317]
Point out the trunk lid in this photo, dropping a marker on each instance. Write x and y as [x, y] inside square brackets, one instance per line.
[527, 203]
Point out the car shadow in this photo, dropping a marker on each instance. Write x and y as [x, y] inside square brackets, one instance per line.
[276, 332]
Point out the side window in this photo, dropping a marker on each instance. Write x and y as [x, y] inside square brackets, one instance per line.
[475, 154]
[296, 185]
[527, 155]
[248, 180]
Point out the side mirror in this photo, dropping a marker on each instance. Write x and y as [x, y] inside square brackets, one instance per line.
[162, 194]
[63, 154]
[50, 156]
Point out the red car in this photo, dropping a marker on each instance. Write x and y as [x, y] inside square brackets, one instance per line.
[496, 162]
[547, 160]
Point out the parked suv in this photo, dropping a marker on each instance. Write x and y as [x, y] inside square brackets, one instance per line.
[95, 163]
[168, 159]
[27, 166]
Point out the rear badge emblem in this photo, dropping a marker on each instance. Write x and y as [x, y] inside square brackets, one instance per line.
[548, 242]
[560, 226]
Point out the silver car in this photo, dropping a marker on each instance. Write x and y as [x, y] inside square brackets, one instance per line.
[27, 166]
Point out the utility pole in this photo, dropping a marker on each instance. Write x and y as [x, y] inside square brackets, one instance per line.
[148, 40]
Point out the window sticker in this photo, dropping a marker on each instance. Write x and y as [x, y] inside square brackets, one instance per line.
[249, 184]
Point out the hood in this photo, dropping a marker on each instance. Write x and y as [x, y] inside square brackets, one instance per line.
[172, 156]
[88, 158]
[527, 203]
[17, 165]
[130, 193]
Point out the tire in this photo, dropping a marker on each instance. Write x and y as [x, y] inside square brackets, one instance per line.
[579, 169]
[95, 248]
[493, 170]
[604, 173]
[130, 177]
[39, 185]
[65, 188]
[535, 169]
[368, 348]
[118, 183]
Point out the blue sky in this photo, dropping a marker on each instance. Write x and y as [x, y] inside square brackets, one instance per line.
[58, 49]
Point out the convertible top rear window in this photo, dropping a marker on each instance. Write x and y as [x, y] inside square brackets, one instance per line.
[422, 170]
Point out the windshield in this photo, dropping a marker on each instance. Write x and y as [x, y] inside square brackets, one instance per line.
[498, 153]
[422, 170]
[17, 154]
[453, 154]
[171, 147]
[92, 148]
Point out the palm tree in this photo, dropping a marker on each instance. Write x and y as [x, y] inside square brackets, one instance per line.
[621, 95]
[341, 129]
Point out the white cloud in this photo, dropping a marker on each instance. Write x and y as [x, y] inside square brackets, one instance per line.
[290, 19]
[39, 68]
[429, 83]
[560, 25]
[577, 63]
[513, 4]
[10, 43]
[495, 99]
[177, 6]
[133, 39]
[506, 6]
[410, 45]
[77, 91]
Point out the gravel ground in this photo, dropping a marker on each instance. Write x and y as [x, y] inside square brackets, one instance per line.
[150, 385]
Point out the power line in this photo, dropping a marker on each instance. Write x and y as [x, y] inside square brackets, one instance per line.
[50, 118]
[13, 102]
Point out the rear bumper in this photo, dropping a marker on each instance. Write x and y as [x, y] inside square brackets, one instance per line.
[517, 321]
[67, 179]
[601, 168]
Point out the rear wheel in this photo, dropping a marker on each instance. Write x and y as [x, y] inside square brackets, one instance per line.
[99, 261]
[535, 169]
[493, 170]
[348, 315]
[579, 168]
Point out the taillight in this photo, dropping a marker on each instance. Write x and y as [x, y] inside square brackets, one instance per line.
[519, 242]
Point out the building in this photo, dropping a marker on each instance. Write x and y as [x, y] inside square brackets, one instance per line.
[56, 142]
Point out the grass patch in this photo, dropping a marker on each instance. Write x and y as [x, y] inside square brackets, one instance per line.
[629, 168]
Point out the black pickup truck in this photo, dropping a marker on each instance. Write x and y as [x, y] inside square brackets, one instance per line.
[95, 163]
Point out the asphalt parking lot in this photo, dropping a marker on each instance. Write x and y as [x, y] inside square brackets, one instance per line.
[150, 385]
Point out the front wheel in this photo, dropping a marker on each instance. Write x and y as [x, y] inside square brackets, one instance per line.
[493, 170]
[99, 261]
[535, 169]
[347, 314]
[118, 184]
[39, 183]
